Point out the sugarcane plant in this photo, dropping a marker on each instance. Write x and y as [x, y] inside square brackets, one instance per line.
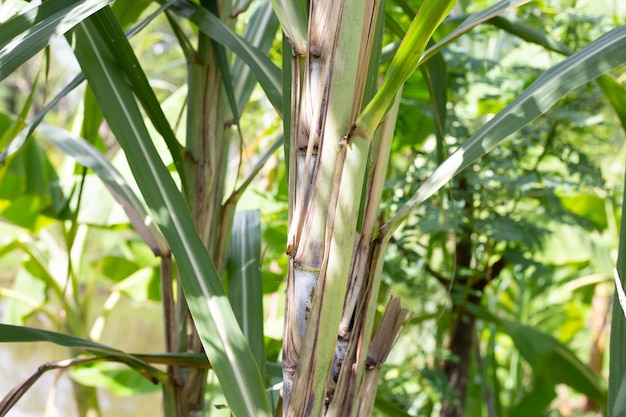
[340, 128]
[339, 119]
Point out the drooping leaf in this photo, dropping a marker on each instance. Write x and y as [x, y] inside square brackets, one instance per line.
[260, 32]
[23, 334]
[597, 58]
[537, 400]
[471, 22]
[219, 331]
[551, 359]
[87, 155]
[109, 28]
[22, 36]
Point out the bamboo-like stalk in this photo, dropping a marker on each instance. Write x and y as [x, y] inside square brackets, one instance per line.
[334, 269]
[206, 162]
[327, 174]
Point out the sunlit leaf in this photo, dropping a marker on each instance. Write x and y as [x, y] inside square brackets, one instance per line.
[120, 380]
[221, 336]
[266, 72]
[24, 35]
[597, 58]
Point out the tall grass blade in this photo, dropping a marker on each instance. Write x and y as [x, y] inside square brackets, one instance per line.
[24, 35]
[293, 16]
[109, 28]
[403, 64]
[245, 282]
[219, 331]
[613, 90]
[597, 58]
[88, 156]
[616, 405]
[471, 22]
[23, 334]
[260, 32]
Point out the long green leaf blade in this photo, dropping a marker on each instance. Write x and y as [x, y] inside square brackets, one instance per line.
[403, 64]
[221, 336]
[87, 155]
[471, 22]
[23, 334]
[597, 58]
[109, 28]
[25, 35]
[245, 282]
[260, 32]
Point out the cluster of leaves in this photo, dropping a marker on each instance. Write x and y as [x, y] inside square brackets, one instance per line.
[543, 184]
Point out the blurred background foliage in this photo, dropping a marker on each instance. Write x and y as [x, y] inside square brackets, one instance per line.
[518, 249]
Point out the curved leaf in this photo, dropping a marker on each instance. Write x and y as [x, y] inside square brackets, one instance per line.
[552, 359]
[24, 35]
[87, 155]
[403, 64]
[221, 336]
[23, 334]
[597, 58]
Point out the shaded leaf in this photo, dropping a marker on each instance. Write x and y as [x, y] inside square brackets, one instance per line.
[245, 283]
[551, 359]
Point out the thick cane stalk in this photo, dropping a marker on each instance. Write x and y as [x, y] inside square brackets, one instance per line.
[336, 153]
[327, 175]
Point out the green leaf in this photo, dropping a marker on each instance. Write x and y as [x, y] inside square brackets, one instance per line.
[471, 22]
[536, 402]
[245, 283]
[23, 334]
[22, 36]
[551, 359]
[90, 117]
[613, 90]
[597, 58]
[616, 94]
[143, 285]
[128, 12]
[293, 16]
[589, 206]
[260, 32]
[617, 362]
[219, 331]
[403, 64]
[389, 409]
[117, 379]
[110, 29]
[619, 401]
[32, 291]
[31, 187]
[87, 155]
